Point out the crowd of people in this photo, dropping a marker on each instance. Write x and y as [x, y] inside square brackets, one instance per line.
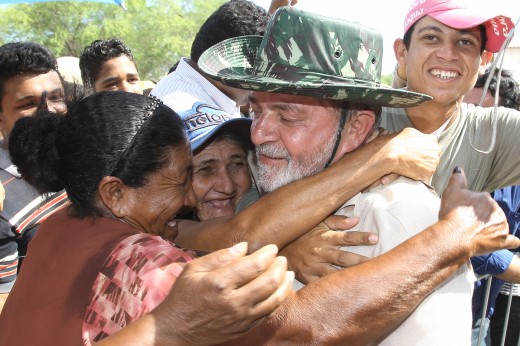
[268, 190]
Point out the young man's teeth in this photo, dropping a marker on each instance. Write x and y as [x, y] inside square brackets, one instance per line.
[444, 74]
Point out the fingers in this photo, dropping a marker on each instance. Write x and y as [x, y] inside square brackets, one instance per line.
[456, 193]
[243, 270]
[339, 238]
[457, 179]
[334, 260]
[416, 154]
[269, 289]
[348, 259]
[217, 259]
[315, 272]
[359, 238]
[340, 258]
[340, 222]
[511, 242]
[389, 178]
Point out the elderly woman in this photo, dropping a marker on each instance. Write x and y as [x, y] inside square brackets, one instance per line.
[221, 176]
[94, 268]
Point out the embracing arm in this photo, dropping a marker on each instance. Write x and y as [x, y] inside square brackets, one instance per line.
[285, 214]
[346, 307]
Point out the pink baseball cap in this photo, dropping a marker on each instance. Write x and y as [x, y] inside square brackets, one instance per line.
[459, 15]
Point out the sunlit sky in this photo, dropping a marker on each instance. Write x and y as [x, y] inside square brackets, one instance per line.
[385, 16]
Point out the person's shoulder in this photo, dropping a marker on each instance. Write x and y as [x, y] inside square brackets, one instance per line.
[152, 247]
[401, 188]
[403, 197]
[471, 111]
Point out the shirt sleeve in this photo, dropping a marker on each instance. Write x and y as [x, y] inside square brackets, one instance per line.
[8, 257]
[494, 263]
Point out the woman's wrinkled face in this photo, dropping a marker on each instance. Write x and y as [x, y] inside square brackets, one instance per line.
[220, 178]
[154, 206]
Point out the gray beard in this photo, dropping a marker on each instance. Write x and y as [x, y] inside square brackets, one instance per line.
[270, 178]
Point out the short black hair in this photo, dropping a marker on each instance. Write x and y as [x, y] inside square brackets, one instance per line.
[407, 38]
[96, 54]
[509, 90]
[232, 19]
[24, 57]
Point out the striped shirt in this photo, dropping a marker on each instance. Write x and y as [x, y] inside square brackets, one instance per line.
[24, 210]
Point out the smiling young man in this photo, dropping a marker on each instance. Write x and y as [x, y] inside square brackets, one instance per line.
[28, 78]
[445, 46]
[108, 65]
[444, 49]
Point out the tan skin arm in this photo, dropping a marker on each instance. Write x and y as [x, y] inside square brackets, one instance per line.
[285, 214]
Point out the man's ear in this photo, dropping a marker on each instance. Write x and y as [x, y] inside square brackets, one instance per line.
[485, 59]
[357, 131]
[115, 195]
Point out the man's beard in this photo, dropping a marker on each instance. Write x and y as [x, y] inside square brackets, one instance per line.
[272, 178]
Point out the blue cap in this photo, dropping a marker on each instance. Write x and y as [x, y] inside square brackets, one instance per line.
[203, 122]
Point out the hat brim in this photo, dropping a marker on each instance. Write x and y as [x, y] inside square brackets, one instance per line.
[231, 63]
[238, 126]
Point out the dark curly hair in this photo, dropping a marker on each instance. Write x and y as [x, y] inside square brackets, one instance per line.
[232, 19]
[24, 57]
[96, 54]
[93, 140]
[509, 90]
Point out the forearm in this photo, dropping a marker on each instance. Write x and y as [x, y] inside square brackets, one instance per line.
[285, 214]
[359, 305]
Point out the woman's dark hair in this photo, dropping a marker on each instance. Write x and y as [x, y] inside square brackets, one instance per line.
[107, 133]
[407, 38]
[96, 54]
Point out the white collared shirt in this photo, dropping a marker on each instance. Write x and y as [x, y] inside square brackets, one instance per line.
[185, 86]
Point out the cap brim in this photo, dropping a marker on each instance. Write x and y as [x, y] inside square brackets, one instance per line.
[239, 126]
[463, 18]
[231, 63]
[460, 18]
